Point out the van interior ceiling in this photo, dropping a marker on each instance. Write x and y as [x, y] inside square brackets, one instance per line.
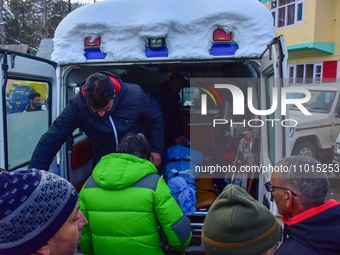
[217, 147]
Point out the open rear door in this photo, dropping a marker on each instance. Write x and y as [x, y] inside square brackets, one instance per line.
[21, 128]
[274, 136]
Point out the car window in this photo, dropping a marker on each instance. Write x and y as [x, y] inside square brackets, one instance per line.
[321, 101]
[27, 119]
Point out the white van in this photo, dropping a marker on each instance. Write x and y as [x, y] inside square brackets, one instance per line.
[144, 42]
[315, 135]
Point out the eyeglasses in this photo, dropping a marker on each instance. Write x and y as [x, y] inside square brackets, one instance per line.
[270, 188]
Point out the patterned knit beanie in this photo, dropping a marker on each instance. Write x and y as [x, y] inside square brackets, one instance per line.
[34, 205]
[237, 224]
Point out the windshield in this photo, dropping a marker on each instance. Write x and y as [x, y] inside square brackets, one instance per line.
[321, 101]
[19, 95]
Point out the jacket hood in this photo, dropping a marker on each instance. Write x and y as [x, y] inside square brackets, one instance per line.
[317, 228]
[118, 170]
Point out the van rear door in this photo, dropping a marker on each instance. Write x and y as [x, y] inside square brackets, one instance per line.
[275, 137]
[22, 129]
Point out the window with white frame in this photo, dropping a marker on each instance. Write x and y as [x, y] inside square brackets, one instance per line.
[287, 12]
[304, 73]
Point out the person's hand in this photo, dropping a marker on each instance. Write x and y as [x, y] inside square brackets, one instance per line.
[155, 158]
[181, 140]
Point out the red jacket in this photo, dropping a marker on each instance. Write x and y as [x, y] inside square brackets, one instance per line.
[313, 232]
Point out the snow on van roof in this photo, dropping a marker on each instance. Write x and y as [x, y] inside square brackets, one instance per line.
[125, 25]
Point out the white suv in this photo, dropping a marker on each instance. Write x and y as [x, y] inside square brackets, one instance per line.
[317, 132]
[336, 159]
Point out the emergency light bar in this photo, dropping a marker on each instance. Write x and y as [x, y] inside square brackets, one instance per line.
[156, 43]
[223, 44]
[156, 47]
[222, 36]
[94, 43]
[92, 48]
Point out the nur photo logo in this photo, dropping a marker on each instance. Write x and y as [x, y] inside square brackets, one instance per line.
[204, 97]
[245, 98]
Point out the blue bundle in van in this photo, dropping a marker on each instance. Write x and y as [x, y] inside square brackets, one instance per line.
[181, 162]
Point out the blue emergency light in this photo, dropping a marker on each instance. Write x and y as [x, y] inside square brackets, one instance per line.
[94, 54]
[156, 53]
[223, 49]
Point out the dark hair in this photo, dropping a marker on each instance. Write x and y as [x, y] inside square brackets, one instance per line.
[310, 185]
[33, 95]
[176, 76]
[99, 90]
[134, 144]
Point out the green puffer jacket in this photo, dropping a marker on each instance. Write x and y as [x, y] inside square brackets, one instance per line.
[125, 201]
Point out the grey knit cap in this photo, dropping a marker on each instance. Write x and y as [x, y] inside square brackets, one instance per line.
[34, 205]
[237, 224]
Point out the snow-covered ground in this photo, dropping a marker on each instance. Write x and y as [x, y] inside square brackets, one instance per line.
[125, 25]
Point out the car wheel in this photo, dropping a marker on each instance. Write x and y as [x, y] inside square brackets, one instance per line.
[305, 149]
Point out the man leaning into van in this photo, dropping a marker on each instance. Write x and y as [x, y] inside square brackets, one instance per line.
[105, 109]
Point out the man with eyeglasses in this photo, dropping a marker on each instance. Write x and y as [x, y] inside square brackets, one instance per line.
[311, 224]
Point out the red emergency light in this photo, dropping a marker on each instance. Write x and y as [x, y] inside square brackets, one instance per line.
[92, 43]
[222, 36]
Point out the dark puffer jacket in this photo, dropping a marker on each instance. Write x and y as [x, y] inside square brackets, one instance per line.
[131, 110]
[313, 232]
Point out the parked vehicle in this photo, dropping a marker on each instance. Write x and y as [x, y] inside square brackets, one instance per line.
[315, 135]
[19, 92]
[336, 158]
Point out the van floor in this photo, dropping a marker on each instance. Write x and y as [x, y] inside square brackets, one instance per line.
[198, 251]
[186, 253]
